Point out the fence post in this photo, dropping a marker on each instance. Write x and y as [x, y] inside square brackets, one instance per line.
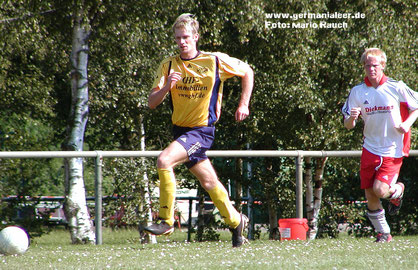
[98, 197]
[299, 184]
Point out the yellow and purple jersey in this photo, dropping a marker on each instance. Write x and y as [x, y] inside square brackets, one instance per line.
[197, 97]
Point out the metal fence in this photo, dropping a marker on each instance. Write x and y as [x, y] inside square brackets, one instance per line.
[99, 155]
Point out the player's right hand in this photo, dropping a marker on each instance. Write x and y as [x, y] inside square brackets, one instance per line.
[403, 128]
[355, 112]
[173, 78]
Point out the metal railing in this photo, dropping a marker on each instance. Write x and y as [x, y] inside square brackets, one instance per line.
[99, 155]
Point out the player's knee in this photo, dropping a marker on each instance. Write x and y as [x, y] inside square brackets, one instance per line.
[380, 191]
[206, 185]
[164, 162]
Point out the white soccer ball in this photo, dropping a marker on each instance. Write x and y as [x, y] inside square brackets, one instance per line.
[13, 241]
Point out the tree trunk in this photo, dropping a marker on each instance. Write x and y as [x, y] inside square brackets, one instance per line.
[201, 215]
[76, 210]
[274, 227]
[145, 237]
[317, 197]
[270, 200]
[238, 184]
[309, 198]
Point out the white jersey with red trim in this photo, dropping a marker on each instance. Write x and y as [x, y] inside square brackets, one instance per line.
[382, 109]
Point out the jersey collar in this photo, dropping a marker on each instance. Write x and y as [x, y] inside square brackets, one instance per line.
[197, 54]
[382, 81]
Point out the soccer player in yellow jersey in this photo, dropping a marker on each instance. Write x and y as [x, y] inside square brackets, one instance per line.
[194, 80]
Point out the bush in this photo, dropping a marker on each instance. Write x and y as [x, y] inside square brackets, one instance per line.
[21, 212]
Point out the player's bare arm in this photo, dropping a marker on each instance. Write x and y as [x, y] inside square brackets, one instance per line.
[247, 82]
[406, 125]
[350, 122]
[157, 95]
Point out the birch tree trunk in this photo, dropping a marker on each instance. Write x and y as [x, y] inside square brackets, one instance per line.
[316, 199]
[76, 211]
[146, 237]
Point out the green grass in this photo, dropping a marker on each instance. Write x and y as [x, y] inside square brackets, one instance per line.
[121, 250]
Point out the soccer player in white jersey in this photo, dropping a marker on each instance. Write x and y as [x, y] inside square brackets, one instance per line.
[388, 108]
[194, 80]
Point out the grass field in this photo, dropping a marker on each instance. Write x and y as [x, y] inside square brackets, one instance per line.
[121, 250]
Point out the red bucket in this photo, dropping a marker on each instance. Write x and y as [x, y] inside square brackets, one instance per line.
[293, 228]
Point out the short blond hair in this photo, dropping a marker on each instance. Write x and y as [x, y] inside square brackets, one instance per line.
[186, 21]
[373, 52]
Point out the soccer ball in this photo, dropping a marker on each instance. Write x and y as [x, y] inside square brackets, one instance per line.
[13, 241]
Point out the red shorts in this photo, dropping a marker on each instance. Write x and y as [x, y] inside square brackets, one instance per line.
[385, 169]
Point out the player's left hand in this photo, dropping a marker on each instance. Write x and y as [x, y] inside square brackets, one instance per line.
[241, 113]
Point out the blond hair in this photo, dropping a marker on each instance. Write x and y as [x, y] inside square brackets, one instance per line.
[373, 52]
[186, 21]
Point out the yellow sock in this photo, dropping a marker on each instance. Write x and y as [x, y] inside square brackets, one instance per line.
[167, 195]
[219, 196]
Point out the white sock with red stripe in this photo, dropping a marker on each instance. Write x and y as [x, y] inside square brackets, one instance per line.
[378, 220]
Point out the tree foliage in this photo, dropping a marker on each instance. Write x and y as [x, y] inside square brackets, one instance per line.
[302, 77]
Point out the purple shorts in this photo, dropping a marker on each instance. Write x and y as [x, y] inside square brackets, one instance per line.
[196, 141]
